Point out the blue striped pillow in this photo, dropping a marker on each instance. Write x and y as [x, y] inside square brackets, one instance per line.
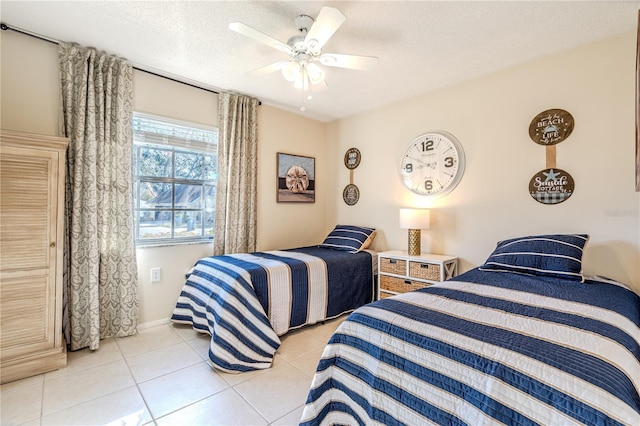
[557, 256]
[349, 238]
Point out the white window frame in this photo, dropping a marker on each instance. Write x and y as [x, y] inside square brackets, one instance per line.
[174, 136]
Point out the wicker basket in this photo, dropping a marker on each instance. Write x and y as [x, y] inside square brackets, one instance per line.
[384, 294]
[424, 271]
[393, 266]
[399, 285]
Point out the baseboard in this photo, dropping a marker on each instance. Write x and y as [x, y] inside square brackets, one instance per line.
[153, 323]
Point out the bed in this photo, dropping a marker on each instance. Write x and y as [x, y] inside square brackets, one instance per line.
[525, 339]
[246, 301]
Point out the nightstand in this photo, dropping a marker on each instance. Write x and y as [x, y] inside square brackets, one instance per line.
[399, 273]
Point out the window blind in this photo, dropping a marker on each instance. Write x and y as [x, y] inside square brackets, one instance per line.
[163, 131]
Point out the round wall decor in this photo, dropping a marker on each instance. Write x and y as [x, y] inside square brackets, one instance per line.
[432, 164]
[352, 158]
[551, 186]
[551, 127]
[351, 194]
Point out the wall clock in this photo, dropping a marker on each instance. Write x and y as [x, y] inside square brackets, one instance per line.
[432, 164]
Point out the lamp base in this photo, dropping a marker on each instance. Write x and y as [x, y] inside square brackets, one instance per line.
[414, 242]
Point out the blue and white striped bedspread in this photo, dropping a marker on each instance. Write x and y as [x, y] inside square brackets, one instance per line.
[245, 301]
[487, 348]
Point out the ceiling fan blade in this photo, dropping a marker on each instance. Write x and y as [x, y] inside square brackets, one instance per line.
[355, 62]
[327, 22]
[259, 36]
[267, 69]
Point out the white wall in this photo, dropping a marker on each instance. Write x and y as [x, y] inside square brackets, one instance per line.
[491, 116]
[287, 225]
[29, 84]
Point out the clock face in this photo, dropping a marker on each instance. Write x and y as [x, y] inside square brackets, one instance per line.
[432, 164]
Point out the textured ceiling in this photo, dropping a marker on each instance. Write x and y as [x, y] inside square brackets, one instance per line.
[422, 45]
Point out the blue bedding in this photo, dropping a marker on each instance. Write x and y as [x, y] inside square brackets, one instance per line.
[245, 301]
[484, 348]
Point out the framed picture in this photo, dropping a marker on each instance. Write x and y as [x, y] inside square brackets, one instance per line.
[296, 179]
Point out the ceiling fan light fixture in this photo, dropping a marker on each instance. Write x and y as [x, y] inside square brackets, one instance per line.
[302, 82]
[315, 73]
[291, 71]
[305, 51]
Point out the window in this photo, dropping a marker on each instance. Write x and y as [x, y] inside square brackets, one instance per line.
[175, 174]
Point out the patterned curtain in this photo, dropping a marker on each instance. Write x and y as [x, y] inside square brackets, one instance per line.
[100, 274]
[236, 197]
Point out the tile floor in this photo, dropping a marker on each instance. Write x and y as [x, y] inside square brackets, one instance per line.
[161, 376]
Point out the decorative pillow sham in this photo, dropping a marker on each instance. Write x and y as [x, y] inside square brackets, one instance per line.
[349, 238]
[557, 256]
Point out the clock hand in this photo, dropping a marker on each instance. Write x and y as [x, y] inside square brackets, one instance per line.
[419, 161]
[423, 164]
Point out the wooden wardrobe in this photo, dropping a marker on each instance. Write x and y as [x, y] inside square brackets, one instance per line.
[32, 174]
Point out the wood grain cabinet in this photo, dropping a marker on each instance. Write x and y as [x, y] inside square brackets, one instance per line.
[32, 172]
[399, 273]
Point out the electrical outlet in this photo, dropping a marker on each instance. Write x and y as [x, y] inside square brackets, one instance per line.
[155, 275]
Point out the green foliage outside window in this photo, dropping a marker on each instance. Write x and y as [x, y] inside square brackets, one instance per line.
[175, 180]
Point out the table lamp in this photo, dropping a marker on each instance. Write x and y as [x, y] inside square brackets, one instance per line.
[414, 220]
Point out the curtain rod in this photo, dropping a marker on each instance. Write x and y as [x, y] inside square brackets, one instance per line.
[5, 27]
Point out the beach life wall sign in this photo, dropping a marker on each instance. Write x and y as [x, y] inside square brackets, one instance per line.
[551, 185]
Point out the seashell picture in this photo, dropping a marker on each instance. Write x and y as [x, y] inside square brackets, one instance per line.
[296, 179]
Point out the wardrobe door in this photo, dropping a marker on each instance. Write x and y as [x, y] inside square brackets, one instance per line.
[31, 224]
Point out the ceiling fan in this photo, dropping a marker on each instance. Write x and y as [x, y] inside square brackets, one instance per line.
[305, 49]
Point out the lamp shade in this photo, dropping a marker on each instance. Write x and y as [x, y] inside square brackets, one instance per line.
[414, 218]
